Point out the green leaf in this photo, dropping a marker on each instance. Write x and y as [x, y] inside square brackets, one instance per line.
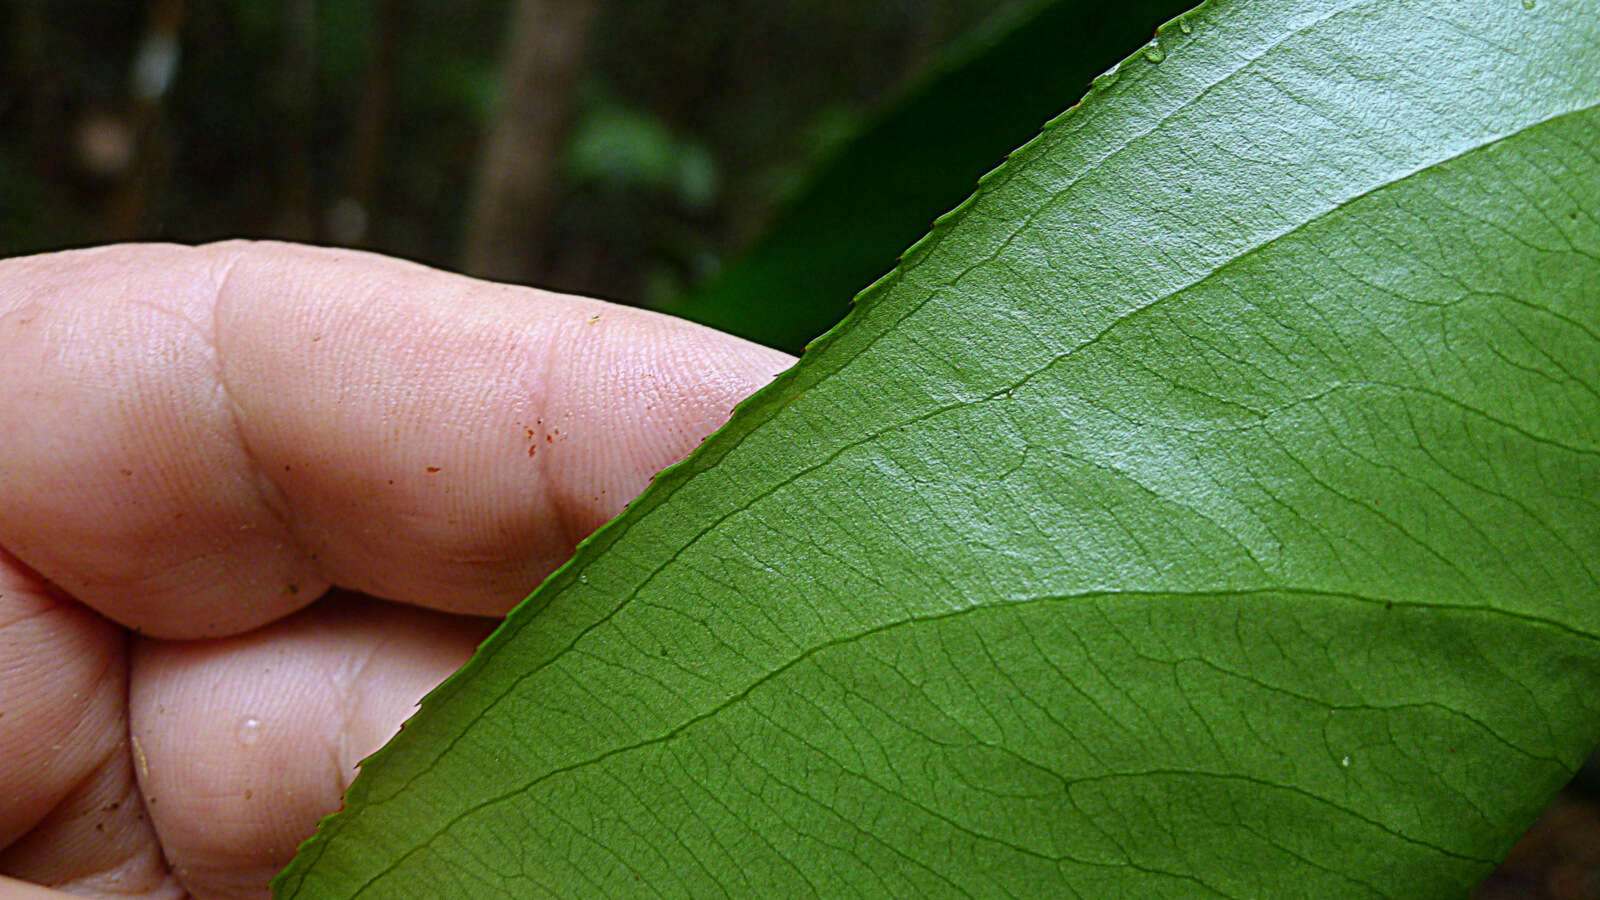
[1209, 507]
[920, 157]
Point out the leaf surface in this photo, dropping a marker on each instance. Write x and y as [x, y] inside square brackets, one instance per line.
[1209, 507]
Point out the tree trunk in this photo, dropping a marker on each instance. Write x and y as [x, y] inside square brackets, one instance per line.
[350, 221]
[296, 216]
[132, 206]
[512, 204]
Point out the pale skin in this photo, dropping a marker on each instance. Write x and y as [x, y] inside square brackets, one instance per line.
[213, 463]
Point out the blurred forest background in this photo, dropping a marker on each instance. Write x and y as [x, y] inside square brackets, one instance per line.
[626, 150]
[622, 150]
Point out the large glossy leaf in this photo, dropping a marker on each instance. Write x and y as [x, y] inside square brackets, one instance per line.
[1209, 507]
[913, 161]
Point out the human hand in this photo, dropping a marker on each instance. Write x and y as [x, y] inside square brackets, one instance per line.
[196, 444]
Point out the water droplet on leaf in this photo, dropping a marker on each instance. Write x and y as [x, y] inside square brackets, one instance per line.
[1183, 26]
[1154, 53]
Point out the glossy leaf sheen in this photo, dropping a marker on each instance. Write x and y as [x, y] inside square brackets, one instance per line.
[1207, 508]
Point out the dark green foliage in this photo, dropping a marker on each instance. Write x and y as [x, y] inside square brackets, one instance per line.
[915, 161]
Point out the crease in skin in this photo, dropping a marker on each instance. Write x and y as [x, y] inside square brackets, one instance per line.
[344, 758]
[269, 493]
[305, 579]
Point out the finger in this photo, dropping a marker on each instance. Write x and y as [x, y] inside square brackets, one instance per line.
[245, 742]
[70, 814]
[200, 439]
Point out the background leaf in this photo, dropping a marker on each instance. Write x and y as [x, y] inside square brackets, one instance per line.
[1207, 508]
[918, 158]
